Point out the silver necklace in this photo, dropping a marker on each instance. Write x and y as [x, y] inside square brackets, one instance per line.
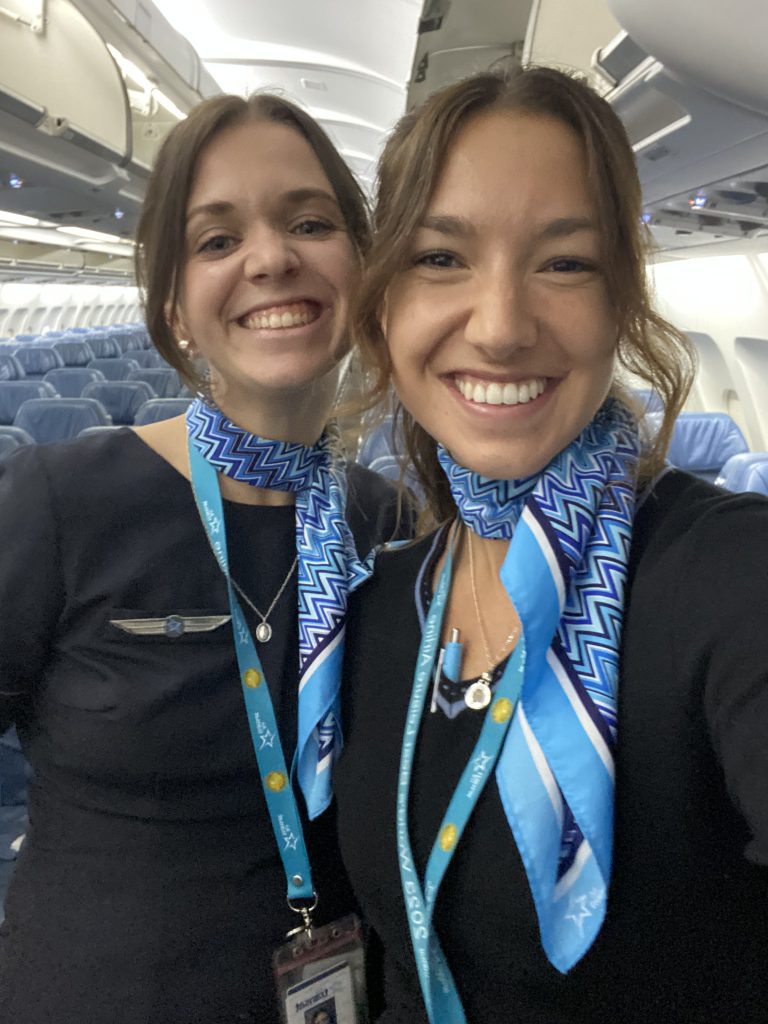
[264, 630]
[478, 695]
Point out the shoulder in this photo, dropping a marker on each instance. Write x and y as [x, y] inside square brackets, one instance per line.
[694, 519]
[377, 510]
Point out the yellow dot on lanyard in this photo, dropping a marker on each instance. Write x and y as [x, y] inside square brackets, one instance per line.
[253, 678]
[502, 710]
[276, 781]
[448, 838]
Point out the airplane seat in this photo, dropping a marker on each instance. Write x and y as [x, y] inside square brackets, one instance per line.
[104, 346]
[20, 436]
[702, 442]
[649, 400]
[37, 361]
[388, 466]
[157, 409]
[757, 477]
[165, 383]
[90, 431]
[74, 353]
[10, 367]
[59, 419]
[127, 342]
[148, 359]
[69, 381]
[121, 398]
[379, 442]
[8, 444]
[13, 394]
[734, 473]
[26, 338]
[114, 369]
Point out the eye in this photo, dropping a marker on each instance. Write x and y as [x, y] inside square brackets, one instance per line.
[313, 226]
[216, 244]
[437, 259]
[571, 265]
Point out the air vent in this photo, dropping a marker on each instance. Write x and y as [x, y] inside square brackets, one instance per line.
[314, 83]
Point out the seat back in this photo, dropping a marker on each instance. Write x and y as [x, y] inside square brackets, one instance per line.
[19, 435]
[734, 473]
[165, 383]
[37, 361]
[74, 353]
[379, 442]
[69, 381]
[10, 367]
[8, 444]
[157, 409]
[114, 369]
[121, 398]
[148, 358]
[104, 346]
[757, 477]
[58, 419]
[702, 442]
[13, 393]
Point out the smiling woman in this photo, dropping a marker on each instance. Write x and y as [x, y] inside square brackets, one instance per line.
[584, 625]
[180, 646]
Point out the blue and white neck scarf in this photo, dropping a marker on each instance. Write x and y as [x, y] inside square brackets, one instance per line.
[565, 572]
[328, 569]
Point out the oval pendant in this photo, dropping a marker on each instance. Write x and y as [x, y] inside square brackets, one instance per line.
[263, 632]
[478, 695]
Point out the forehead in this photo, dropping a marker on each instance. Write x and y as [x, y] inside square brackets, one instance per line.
[511, 162]
[253, 158]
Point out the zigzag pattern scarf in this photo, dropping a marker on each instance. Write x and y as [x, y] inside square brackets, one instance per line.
[328, 569]
[565, 571]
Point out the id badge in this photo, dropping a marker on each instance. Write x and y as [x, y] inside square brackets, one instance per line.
[320, 975]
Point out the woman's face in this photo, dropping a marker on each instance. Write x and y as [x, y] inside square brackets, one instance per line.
[500, 331]
[269, 264]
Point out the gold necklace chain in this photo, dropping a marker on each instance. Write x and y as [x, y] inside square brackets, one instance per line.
[492, 663]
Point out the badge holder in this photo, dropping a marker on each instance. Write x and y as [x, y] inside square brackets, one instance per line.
[320, 973]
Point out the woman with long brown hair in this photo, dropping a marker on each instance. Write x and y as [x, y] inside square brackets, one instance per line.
[552, 799]
[173, 600]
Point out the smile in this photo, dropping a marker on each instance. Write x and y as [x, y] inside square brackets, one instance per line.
[499, 393]
[294, 314]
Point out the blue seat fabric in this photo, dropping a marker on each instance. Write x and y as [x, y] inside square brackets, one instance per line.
[38, 361]
[703, 442]
[157, 409]
[13, 393]
[58, 419]
[114, 369]
[121, 398]
[69, 381]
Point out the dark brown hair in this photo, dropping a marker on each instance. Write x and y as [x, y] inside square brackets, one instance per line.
[160, 237]
[649, 346]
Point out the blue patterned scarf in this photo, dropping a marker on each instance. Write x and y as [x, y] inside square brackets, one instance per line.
[565, 571]
[328, 569]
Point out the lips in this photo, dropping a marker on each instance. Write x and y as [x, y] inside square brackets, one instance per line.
[484, 392]
[283, 315]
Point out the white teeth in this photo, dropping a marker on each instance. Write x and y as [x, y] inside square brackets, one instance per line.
[287, 318]
[510, 396]
[501, 394]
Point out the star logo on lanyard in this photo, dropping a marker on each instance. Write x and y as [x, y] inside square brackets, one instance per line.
[267, 739]
[290, 841]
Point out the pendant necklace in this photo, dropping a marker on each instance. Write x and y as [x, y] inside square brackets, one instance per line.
[478, 695]
[264, 630]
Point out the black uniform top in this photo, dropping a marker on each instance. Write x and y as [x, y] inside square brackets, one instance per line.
[149, 889]
[685, 940]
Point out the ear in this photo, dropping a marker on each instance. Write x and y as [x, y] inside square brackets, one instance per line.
[178, 327]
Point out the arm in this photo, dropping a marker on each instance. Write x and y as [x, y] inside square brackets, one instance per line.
[31, 592]
[734, 607]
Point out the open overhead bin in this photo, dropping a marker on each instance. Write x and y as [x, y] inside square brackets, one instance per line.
[85, 99]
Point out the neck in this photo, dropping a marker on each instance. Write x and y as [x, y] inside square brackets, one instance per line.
[298, 416]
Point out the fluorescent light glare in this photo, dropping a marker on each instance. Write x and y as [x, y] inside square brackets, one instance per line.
[169, 105]
[6, 217]
[87, 233]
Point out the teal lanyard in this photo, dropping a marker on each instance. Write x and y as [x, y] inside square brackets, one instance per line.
[437, 985]
[275, 779]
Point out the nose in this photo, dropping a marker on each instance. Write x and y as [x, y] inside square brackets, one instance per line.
[502, 318]
[269, 253]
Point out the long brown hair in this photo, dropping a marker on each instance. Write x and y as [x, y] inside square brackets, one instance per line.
[160, 251]
[649, 346]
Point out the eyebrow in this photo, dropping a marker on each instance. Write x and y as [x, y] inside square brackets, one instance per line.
[292, 198]
[460, 227]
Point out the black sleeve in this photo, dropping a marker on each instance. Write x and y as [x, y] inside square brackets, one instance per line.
[377, 511]
[728, 613]
[31, 591]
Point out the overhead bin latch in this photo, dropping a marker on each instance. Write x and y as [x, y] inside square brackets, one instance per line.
[29, 13]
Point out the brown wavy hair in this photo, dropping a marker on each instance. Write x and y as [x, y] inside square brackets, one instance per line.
[160, 237]
[410, 166]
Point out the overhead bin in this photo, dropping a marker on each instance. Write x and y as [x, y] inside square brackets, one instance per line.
[88, 89]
